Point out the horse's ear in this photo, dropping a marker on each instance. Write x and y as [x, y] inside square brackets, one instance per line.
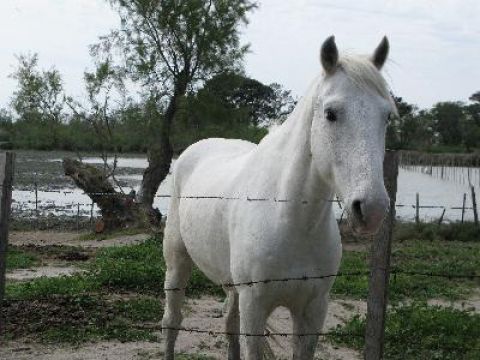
[381, 53]
[329, 55]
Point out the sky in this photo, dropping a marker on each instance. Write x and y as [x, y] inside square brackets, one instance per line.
[435, 44]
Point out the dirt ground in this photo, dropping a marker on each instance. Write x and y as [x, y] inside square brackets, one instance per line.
[48, 238]
[204, 313]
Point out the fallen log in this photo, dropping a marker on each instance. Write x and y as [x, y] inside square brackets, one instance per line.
[118, 210]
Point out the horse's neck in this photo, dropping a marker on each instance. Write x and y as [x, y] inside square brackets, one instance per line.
[285, 155]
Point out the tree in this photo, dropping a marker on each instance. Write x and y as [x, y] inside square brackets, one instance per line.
[39, 98]
[471, 123]
[264, 104]
[475, 97]
[448, 117]
[171, 46]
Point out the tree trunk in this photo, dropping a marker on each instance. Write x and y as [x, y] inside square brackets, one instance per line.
[160, 153]
[118, 210]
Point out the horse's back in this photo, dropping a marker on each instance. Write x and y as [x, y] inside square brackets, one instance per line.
[208, 156]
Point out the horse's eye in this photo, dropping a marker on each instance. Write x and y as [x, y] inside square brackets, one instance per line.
[330, 115]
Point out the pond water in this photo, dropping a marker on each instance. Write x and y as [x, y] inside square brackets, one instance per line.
[65, 199]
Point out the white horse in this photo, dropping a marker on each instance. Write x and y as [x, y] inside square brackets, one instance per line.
[333, 143]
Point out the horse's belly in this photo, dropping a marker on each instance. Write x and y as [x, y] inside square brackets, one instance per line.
[204, 235]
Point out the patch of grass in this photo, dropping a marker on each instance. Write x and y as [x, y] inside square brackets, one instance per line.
[141, 309]
[132, 268]
[136, 268]
[466, 232]
[76, 319]
[418, 256]
[115, 330]
[141, 268]
[20, 259]
[352, 286]
[111, 235]
[419, 331]
[44, 287]
[192, 357]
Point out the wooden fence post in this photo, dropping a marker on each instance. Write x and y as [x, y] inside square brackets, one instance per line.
[417, 208]
[6, 179]
[474, 206]
[380, 267]
[463, 206]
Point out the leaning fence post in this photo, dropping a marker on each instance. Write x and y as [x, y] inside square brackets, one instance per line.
[78, 217]
[474, 206]
[463, 206]
[380, 267]
[6, 179]
[417, 208]
[441, 217]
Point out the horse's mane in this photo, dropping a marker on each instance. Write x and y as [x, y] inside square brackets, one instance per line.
[364, 74]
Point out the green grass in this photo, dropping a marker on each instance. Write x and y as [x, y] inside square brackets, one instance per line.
[134, 268]
[20, 259]
[419, 331]
[418, 256]
[466, 232]
[44, 287]
[111, 235]
[192, 357]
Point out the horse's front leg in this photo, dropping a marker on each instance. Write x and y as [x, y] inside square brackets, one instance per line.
[253, 317]
[306, 322]
[233, 325]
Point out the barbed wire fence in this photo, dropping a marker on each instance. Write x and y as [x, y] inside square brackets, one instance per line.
[82, 215]
[379, 274]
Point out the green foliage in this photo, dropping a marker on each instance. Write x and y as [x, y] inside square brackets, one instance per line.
[412, 252]
[419, 331]
[39, 102]
[466, 232]
[45, 287]
[132, 268]
[141, 268]
[446, 127]
[448, 117]
[19, 259]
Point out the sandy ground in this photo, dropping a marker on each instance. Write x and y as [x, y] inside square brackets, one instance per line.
[204, 313]
[46, 238]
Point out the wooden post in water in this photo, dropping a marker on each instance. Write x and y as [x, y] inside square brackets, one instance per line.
[417, 208]
[463, 205]
[6, 178]
[78, 217]
[474, 206]
[441, 217]
[380, 267]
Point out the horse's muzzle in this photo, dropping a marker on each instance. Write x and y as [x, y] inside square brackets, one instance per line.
[367, 215]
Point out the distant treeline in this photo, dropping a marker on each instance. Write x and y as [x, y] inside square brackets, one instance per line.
[417, 158]
[230, 105]
[448, 127]
[41, 117]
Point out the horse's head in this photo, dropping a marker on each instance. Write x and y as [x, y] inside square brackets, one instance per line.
[348, 132]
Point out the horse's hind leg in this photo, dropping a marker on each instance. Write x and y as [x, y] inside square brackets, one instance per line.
[179, 268]
[233, 325]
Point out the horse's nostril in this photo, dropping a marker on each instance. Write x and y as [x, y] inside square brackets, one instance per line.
[357, 209]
